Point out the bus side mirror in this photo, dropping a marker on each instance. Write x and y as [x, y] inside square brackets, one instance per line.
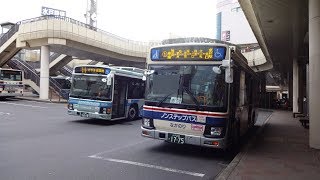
[109, 79]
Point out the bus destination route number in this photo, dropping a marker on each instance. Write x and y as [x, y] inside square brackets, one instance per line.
[92, 70]
[189, 53]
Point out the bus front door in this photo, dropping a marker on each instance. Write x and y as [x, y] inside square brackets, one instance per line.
[119, 98]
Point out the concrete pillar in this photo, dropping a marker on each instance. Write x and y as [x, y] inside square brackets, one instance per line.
[295, 85]
[44, 72]
[314, 73]
[290, 91]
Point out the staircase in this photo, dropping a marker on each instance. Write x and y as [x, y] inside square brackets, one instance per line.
[30, 74]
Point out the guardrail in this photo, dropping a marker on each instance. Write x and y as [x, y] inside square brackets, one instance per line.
[66, 70]
[6, 36]
[53, 56]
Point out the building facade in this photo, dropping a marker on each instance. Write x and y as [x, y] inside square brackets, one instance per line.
[232, 25]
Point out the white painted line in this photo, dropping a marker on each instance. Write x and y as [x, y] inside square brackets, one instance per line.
[119, 148]
[4, 113]
[23, 105]
[148, 166]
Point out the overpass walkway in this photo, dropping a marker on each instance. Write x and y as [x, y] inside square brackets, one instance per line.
[71, 37]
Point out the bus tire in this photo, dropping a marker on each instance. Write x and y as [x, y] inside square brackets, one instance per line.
[133, 112]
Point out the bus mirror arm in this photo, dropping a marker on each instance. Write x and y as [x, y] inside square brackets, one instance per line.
[228, 70]
[147, 73]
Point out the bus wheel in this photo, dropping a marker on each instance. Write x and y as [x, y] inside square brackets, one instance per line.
[133, 113]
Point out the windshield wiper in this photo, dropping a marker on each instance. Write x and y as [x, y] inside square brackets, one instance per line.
[165, 98]
[194, 99]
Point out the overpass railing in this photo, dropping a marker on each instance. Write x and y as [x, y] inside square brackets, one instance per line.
[53, 56]
[66, 70]
[30, 73]
[6, 36]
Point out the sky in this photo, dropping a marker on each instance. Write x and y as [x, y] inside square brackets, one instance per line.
[141, 20]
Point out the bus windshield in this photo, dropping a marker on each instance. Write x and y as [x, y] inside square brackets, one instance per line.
[91, 87]
[187, 84]
[9, 75]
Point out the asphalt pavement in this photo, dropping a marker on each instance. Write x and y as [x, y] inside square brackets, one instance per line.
[39, 141]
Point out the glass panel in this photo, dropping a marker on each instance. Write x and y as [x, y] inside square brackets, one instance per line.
[9, 75]
[90, 87]
[192, 84]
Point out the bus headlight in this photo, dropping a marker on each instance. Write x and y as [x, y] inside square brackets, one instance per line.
[70, 106]
[216, 131]
[147, 123]
[105, 110]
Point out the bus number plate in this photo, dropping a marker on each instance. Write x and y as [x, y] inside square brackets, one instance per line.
[176, 138]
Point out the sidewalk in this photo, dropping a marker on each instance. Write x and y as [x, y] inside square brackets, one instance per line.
[36, 98]
[280, 151]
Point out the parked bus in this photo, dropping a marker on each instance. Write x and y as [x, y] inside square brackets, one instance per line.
[11, 82]
[202, 94]
[106, 92]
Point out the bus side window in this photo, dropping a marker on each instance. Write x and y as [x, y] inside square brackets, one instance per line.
[242, 93]
[136, 89]
[236, 87]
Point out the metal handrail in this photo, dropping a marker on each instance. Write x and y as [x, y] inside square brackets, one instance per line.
[30, 73]
[66, 70]
[53, 57]
[6, 36]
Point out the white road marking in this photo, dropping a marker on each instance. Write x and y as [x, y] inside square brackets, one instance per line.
[15, 104]
[148, 166]
[119, 148]
[4, 113]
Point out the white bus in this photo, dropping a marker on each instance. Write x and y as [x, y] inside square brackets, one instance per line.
[11, 83]
[202, 94]
[106, 92]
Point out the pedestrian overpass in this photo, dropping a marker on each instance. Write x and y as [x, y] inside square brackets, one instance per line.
[72, 38]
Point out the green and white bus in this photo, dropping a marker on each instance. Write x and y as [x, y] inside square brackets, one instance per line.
[106, 92]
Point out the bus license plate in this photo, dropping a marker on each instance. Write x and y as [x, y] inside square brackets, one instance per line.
[176, 138]
[84, 114]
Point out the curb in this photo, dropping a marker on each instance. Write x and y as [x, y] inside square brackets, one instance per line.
[40, 100]
[224, 174]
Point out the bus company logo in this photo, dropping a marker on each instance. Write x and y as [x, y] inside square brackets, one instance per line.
[186, 118]
[197, 127]
[178, 125]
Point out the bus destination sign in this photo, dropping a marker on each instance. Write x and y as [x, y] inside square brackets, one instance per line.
[92, 70]
[189, 53]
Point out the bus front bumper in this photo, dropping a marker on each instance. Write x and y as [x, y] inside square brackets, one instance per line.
[5, 94]
[90, 115]
[219, 143]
